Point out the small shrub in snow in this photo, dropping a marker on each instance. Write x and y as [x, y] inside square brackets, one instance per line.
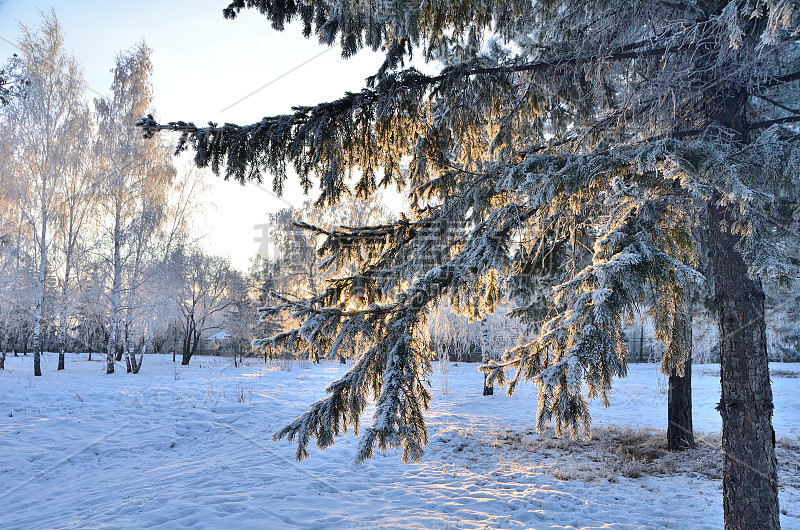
[242, 396]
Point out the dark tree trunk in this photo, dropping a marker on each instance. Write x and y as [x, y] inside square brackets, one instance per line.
[37, 363]
[37, 358]
[126, 342]
[136, 365]
[488, 390]
[185, 355]
[61, 359]
[749, 483]
[118, 356]
[680, 435]
[3, 361]
[190, 347]
[173, 355]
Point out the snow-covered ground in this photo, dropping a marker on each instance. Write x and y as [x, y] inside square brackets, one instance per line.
[191, 446]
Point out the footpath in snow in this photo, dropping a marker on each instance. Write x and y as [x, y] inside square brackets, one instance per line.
[178, 446]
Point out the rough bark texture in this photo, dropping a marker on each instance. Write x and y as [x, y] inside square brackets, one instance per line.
[3, 361]
[61, 359]
[749, 484]
[680, 435]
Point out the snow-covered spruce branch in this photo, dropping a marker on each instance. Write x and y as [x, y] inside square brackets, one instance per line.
[583, 342]
[394, 365]
[372, 129]
[638, 247]
[391, 370]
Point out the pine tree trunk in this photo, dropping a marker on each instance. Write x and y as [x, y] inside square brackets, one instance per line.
[61, 359]
[680, 435]
[3, 361]
[749, 483]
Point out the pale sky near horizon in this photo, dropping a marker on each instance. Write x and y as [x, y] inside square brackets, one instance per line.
[206, 68]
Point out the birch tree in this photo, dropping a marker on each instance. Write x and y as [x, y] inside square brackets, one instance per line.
[136, 176]
[78, 186]
[42, 125]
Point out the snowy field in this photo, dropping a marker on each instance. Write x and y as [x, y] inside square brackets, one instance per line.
[180, 446]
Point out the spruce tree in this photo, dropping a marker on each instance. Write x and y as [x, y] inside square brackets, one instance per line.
[590, 137]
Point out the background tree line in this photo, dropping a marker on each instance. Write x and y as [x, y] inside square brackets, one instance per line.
[97, 246]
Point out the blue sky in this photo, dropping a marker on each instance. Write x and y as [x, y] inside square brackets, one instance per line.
[203, 66]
